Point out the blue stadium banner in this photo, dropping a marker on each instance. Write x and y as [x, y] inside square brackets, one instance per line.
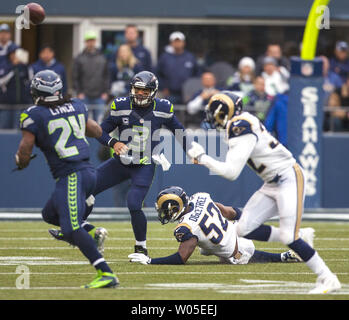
[305, 121]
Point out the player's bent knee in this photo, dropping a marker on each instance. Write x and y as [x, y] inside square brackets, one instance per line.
[49, 218]
[242, 230]
[286, 237]
[134, 206]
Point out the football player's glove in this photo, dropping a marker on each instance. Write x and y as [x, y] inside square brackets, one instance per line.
[196, 151]
[139, 257]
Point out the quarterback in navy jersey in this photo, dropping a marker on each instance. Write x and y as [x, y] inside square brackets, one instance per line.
[59, 128]
[137, 118]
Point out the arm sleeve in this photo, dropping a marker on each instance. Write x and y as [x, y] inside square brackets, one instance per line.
[172, 259]
[240, 149]
[108, 125]
[182, 233]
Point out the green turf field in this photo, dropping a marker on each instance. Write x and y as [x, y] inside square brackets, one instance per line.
[57, 270]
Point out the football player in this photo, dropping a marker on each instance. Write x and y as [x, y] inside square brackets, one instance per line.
[59, 128]
[136, 117]
[209, 225]
[283, 191]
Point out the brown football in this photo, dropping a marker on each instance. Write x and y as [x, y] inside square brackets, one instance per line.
[36, 13]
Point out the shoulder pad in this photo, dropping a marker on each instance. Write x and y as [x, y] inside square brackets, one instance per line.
[239, 126]
[199, 194]
[183, 232]
[163, 105]
[78, 103]
[27, 117]
[120, 107]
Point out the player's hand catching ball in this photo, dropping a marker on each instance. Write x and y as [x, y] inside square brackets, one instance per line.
[196, 151]
[139, 257]
[120, 148]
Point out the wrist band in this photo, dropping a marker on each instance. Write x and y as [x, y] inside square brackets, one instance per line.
[112, 142]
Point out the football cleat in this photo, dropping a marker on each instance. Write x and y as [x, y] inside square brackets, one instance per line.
[141, 249]
[326, 284]
[99, 235]
[289, 256]
[58, 235]
[103, 280]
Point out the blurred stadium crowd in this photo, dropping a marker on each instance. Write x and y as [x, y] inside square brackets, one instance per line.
[186, 80]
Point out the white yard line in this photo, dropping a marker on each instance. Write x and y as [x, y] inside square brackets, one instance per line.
[108, 238]
[179, 273]
[132, 239]
[155, 248]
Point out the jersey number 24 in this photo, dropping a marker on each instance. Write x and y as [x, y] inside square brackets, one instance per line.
[68, 126]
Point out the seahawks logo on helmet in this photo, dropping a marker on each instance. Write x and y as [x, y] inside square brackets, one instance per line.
[221, 108]
[46, 88]
[171, 204]
[144, 80]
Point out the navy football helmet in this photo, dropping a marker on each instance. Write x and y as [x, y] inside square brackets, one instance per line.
[222, 107]
[171, 204]
[46, 88]
[144, 80]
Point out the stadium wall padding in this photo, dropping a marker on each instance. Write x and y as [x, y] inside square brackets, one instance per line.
[32, 187]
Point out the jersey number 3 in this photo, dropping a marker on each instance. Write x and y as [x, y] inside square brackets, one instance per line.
[67, 127]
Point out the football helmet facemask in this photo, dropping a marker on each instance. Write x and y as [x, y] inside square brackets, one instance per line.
[221, 108]
[171, 204]
[46, 88]
[144, 80]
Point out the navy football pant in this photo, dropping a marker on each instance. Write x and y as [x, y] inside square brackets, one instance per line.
[113, 172]
[67, 205]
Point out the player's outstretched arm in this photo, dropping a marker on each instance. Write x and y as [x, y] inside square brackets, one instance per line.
[25, 149]
[93, 129]
[229, 213]
[239, 151]
[185, 250]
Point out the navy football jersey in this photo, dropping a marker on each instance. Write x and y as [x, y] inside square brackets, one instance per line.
[60, 134]
[136, 125]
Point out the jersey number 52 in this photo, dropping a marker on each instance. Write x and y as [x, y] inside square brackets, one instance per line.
[207, 229]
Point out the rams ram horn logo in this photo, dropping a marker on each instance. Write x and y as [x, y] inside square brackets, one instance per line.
[238, 130]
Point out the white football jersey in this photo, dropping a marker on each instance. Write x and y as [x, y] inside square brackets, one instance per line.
[216, 235]
[269, 158]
